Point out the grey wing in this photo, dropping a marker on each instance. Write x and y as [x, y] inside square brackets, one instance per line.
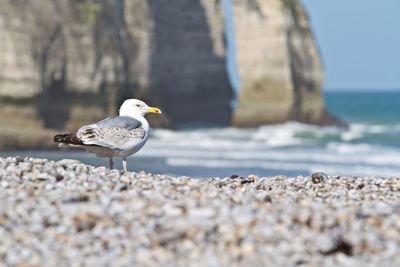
[118, 121]
[113, 132]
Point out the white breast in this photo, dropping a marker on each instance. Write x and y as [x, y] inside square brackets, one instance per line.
[135, 145]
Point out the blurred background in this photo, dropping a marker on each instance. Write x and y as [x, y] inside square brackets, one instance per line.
[266, 87]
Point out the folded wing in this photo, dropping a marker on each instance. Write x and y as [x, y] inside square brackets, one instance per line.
[113, 132]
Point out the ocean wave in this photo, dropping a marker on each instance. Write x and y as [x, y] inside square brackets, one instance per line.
[358, 131]
[283, 135]
[358, 170]
[335, 154]
[361, 149]
[288, 149]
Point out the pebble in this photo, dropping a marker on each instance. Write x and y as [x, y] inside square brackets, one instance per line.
[69, 214]
[319, 177]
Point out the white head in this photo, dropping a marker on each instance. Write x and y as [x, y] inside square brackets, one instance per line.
[136, 107]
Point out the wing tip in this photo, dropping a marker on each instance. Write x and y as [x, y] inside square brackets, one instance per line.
[67, 139]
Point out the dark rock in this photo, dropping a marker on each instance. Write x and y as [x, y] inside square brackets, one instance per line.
[360, 186]
[341, 246]
[318, 177]
[248, 180]
[268, 199]
[59, 177]
[18, 160]
[76, 199]
[123, 187]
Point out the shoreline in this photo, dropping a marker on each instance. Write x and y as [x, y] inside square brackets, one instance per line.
[67, 213]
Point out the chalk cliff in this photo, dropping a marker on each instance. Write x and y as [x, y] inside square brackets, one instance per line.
[66, 63]
[279, 64]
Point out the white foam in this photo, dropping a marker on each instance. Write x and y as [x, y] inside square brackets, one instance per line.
[355, 132]
[278, 136]
[290, 146]
[345, 154]
[330, 169]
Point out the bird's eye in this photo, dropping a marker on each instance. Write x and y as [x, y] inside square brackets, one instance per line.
[138, 105]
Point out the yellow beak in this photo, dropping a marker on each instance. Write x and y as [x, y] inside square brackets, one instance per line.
[154, 110]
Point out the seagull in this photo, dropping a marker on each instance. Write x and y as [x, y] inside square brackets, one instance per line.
[119, 136]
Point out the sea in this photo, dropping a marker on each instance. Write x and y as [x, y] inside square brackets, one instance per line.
[370, 146]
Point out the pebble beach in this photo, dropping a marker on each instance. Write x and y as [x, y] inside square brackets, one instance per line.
[66, 213]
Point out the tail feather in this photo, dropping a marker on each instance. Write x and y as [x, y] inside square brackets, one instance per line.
[69, 138]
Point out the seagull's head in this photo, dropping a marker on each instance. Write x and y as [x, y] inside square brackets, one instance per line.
[132, 107]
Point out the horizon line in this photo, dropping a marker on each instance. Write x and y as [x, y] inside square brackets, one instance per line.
[361, 89]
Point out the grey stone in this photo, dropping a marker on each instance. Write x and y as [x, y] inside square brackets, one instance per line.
[319, 177]
[85, 219]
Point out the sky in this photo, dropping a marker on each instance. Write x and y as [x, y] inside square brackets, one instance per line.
[359, 41]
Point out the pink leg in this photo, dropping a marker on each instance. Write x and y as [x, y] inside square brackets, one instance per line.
[111, 162]
[125, 165]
